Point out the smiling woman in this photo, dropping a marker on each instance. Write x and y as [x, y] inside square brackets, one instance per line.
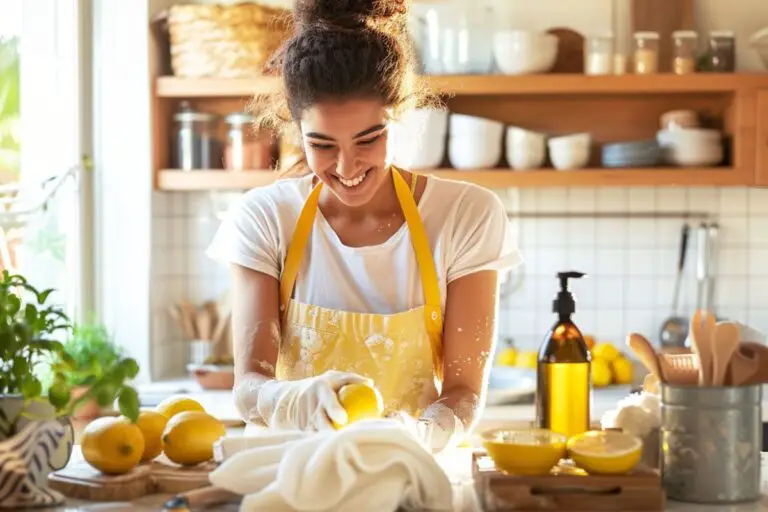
[359, 272]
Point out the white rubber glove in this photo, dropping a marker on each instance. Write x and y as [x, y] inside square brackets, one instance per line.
[438, 428]
[306, 404]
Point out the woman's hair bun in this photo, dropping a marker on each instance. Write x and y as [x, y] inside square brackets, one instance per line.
[346, 13]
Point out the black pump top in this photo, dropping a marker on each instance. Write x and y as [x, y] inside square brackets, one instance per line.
[565, 304]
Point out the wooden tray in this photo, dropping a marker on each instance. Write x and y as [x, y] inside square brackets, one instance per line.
[639, 491]
[82, 481]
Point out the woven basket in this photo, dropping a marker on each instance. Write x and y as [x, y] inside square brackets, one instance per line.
[225, 40]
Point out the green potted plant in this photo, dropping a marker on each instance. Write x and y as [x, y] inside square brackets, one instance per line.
[30, 330]
[93, 354]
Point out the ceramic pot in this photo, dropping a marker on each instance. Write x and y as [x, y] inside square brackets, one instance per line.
[39, 438]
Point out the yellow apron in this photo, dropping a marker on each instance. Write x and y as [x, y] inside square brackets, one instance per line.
[401, 352]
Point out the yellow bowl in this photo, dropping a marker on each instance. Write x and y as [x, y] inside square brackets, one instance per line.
[529, 451]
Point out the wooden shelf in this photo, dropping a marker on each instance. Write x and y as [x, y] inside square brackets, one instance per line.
[544, 84]
[176, 180]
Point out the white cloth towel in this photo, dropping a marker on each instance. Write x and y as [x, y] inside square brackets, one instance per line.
[370, 465]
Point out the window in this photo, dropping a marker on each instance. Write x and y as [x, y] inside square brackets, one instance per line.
[42, 136]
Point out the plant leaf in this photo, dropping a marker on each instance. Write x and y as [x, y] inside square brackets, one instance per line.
[129, 367]
[105, 394]
[128, 403]
[31, 387]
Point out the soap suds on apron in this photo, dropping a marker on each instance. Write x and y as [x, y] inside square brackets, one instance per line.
[377, 340]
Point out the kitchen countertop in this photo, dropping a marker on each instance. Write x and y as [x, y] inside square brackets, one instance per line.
[464, 501]
[219, 403]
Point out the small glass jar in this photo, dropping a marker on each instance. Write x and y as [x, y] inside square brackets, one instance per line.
[684, 57]
[646, 56]
[246, 149]
[598, 55]
[196, 144]
[721, 57]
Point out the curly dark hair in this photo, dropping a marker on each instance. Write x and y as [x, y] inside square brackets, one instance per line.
[343, 49]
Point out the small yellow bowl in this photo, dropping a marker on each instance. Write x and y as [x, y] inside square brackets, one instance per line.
[530, 451]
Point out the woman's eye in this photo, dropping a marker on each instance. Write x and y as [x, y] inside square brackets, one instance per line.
[368, 142]
[315, 145]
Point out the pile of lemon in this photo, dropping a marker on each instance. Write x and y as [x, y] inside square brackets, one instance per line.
[178, 427]
[541, 451]
[609, 366]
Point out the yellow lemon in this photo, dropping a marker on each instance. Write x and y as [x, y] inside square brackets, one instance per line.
[623, 370]
[151, 424]
[605, 452]
[605, 351]
[507, 357]
[527, 359]
[601, 373]
[189, 436]
[173, 405]
[525, 451]
[361, 401]
[113, 445]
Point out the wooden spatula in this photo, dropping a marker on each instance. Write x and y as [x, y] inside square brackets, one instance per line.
[725, 344]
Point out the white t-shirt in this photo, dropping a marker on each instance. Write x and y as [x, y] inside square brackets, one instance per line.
[467, 227]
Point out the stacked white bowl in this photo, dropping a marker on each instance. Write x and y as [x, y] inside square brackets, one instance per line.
[522, 52]
[691, 147]
[570, 151]
[417, 140]
[474, 142]
[526, 149]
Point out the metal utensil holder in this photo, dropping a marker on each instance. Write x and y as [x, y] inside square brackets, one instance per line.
[711, 439]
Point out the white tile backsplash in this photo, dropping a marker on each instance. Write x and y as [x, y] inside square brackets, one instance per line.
[630, 261]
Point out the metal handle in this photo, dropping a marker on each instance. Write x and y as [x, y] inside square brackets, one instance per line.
[683, 247]
[702, 265]
[712, 247]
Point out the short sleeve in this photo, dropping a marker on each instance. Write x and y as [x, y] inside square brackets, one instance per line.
[483, 237]
[249, 235]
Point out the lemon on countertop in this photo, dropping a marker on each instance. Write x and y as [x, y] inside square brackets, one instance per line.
[530, 451]
[605, 452]
[527, 359]
[361, 401]
[189, 436]
[173, 405]
[151, 424]
[605, 352]
[507, 357]
[113, 445]
[623, 370]
[601, 373]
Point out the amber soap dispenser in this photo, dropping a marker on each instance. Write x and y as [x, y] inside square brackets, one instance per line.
[563, 385]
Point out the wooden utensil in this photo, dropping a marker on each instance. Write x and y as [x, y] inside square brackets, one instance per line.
[186, 327]
[749, 365]
[644, 351]
[726, 342]
[679, 369]
[204, 324]
[570, 51]
[702, 329]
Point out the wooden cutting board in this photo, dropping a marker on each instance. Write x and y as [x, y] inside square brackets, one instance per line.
[82, 481]
[638, 491]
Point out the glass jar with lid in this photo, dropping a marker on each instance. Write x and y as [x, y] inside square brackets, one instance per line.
[685, 48]
[646, 54]
[721, 56]
[246, 148]
[197, 146]
[598, 55]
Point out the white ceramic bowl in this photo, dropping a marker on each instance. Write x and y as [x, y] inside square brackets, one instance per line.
[691, 147]
[462, 124]
[521, 52]
[475, 150]
[576, 140]
[569, 158]
[525, 149]
[417, 140]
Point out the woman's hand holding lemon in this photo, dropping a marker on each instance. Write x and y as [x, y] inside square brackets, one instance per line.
[307, 404]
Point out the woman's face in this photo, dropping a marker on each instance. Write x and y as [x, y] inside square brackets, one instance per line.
[346, 147]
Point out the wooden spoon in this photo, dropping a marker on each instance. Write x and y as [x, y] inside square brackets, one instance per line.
[702, 329]
[644, 351]
[726, 342]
